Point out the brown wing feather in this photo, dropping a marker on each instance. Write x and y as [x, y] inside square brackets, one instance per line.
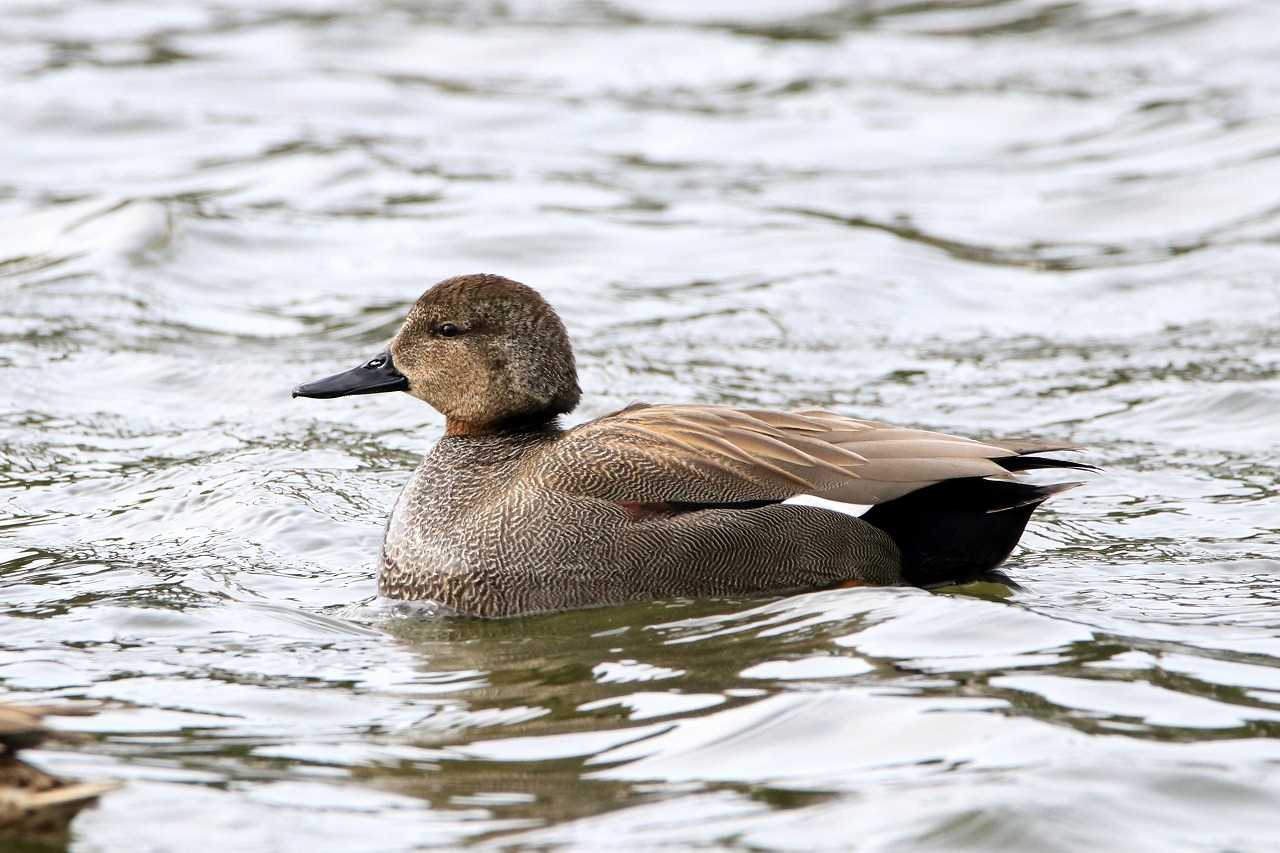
[717, 454]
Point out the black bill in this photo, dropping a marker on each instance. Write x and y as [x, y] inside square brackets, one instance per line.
[373, 377]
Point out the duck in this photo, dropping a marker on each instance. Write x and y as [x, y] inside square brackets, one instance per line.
[36, 806]
[511, 513]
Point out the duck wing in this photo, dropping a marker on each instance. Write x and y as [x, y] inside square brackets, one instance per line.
[721, 455]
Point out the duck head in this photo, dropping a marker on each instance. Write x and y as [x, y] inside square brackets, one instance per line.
[485, 351]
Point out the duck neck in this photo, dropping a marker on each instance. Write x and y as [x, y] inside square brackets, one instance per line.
[541, 422]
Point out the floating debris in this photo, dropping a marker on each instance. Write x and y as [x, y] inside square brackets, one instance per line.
[35, 805]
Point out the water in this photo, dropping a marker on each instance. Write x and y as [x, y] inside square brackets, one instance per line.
[1003, 217]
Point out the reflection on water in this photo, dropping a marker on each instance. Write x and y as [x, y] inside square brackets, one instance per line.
[995, 218]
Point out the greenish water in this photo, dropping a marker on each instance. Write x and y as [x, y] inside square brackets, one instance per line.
[1003, 217]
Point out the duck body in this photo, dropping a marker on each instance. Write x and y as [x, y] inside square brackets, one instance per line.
[511, 514]
[485, 528]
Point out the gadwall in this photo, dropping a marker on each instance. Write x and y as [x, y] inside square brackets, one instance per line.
[511, 514]
[34, 805]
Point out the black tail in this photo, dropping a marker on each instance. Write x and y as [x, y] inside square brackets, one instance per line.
[959, 531]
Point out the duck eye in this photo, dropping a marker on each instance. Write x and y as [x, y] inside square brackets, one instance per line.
[448, 330]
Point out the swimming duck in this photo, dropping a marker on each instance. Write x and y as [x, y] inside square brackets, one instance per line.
[35, 806]
[511, 513]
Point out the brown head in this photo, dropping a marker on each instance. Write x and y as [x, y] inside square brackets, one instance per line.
[485, 351]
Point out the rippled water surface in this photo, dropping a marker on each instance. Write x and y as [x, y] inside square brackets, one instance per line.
[991, 217]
